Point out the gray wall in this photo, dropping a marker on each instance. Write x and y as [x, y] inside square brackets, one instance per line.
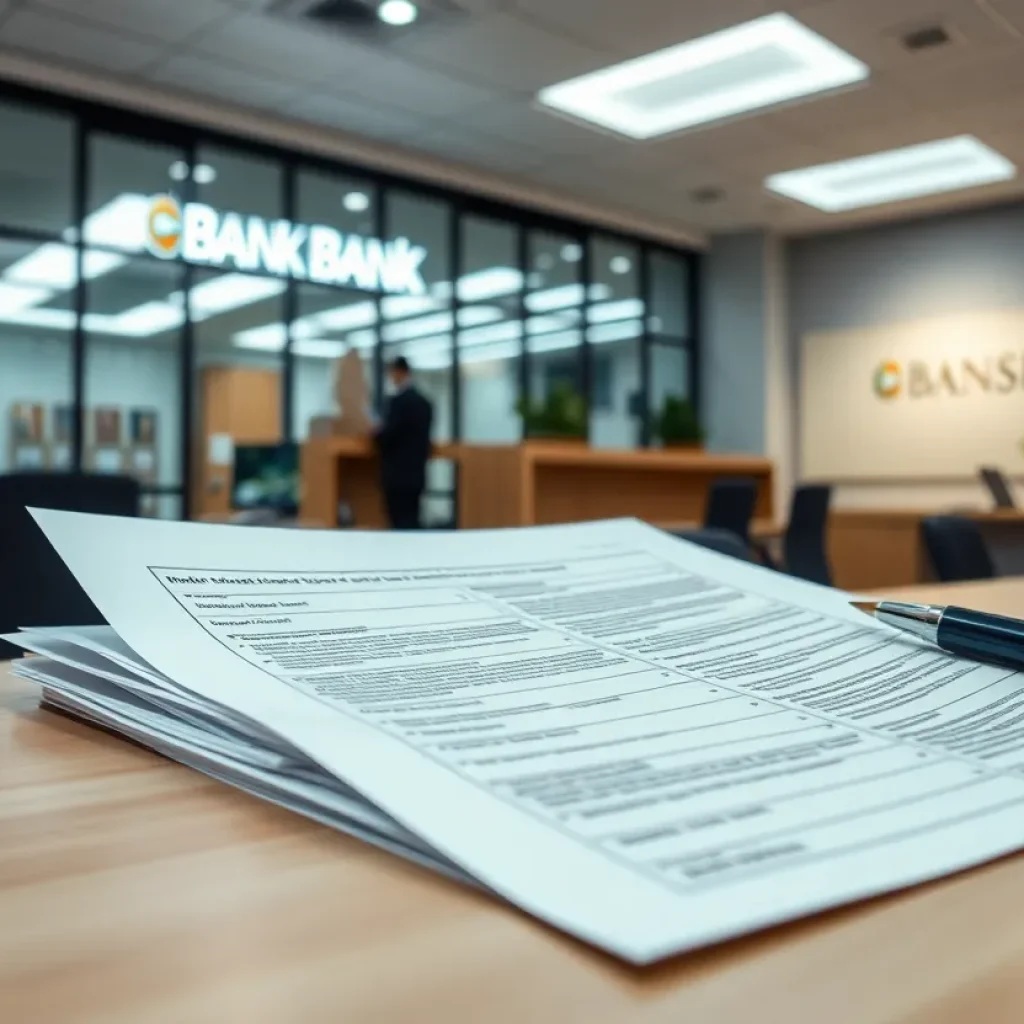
[733, 366]
[892, 273]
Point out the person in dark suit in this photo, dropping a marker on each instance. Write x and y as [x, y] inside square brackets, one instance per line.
[403, 440]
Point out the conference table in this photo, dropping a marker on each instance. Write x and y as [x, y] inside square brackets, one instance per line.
[136, 891]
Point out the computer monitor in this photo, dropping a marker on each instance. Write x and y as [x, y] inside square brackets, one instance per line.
[999, 487]
[266, 478]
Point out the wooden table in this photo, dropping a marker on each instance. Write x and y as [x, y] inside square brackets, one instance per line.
[134, 891]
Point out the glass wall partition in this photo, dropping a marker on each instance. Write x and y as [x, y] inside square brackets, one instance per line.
[168, 293]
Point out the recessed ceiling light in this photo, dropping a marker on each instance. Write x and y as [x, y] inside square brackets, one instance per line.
[178, 170]
[572, 253]
[941, 166]
[620, 265]
[204, 174]
[747, 67]
[398, 12]
[356, 202]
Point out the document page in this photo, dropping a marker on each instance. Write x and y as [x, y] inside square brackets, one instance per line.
[649, 745]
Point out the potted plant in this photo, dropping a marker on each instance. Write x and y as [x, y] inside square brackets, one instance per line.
[562, 416]
[677, 426]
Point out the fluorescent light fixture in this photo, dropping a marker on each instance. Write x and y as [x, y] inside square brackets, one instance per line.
[932, 167]
[758, 64]
[320, 348]
[491, 283]
[344, 318]
[142, 321]
[398, 12]
[55, 266]
[54, 319]
[231, 291]
[566, 296]
[266, 338]
[16, 297]
[399, 306]
[624, 309]
[623, 330]
[356, 202]
[423, 326]
[120, 224]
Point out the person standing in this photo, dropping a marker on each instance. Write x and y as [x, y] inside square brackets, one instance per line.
[403, 440]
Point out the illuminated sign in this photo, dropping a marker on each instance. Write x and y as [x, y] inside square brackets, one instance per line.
[1000, 375]
[200, 234]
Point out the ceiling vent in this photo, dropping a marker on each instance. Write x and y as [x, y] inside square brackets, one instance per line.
[359, 17]
[707, 194]
[926, 38]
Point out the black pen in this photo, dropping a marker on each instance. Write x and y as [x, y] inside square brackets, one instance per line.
[994, 639]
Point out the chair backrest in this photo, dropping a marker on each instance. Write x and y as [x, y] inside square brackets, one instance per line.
[725, 542]
[730, 506]
[804, 545]
[998, 486]
[36, 587]
[957, 549]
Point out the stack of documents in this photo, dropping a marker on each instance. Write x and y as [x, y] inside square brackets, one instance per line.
[649, 745]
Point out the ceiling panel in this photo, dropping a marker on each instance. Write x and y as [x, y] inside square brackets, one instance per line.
[285, 49]
[501, 51]
[626, 28]
[169, 20]
[74, 40]
[359, 117]
[397, 83]
[522, 123]
[202, 75]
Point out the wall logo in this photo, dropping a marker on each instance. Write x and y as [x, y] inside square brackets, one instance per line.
[888, 380]
[164, 227]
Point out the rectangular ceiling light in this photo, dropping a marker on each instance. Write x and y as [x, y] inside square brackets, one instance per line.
[758, 64]
[231, 291]
[942, 166]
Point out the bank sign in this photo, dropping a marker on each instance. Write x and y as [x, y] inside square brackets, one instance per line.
[203, 235]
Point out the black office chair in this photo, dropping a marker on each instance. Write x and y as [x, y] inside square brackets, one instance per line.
[804, 542]
[725, 542]
[998, 486]
[36, 587]
[957, 549]
[730, 506]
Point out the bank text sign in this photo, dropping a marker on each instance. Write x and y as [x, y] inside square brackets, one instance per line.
[209, 237]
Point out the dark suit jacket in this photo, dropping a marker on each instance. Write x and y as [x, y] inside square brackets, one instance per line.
[404, 441]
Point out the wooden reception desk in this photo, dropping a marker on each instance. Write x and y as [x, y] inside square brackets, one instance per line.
[541, 482]
[874, 548]
[533, 483]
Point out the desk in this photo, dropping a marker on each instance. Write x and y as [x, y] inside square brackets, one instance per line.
[871, 548]
[135, 891]
[541, 482]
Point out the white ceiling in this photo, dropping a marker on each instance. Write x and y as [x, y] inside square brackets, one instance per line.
[462, 89]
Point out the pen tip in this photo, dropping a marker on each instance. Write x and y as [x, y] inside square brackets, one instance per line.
[867, 607]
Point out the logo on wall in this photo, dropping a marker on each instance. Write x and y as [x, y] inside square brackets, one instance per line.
[888, 380]
[164, 227]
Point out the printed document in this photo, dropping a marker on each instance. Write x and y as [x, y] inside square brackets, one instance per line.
[646, 744]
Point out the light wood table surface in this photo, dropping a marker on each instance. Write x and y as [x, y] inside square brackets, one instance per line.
[135, 891]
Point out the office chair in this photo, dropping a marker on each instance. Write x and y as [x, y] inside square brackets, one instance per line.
[36, 587]
[730, 506]
[957, 549]
[998, 486]
[804, 550]
[725, 542]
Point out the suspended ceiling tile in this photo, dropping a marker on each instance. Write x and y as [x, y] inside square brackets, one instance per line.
[171, 21]
[519, 122]
[204, 76]
[359, 117]
[501, 51]
[285, 49]
[51, 34]
[394, 82]
[627, 28]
